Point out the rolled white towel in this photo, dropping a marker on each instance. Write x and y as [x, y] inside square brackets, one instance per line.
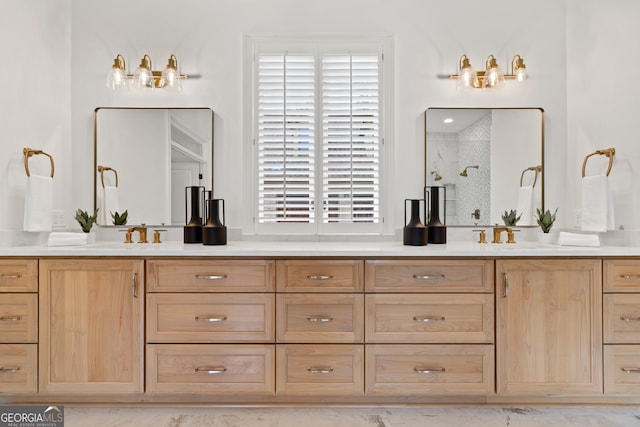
[575, 239]
[67, 239]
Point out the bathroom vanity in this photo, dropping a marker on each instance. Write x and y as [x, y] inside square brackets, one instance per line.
[310, 322]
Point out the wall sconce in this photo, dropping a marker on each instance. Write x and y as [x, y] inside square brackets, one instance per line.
[436, 176]
[464, 172]
[491, 77]
[144, 75]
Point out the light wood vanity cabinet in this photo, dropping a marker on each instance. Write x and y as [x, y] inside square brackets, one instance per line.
[549, 333]
[18, 326]
[91, 326]
[621, 312]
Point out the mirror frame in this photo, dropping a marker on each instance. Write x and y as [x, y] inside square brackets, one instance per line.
[95, 148]
[542, 151]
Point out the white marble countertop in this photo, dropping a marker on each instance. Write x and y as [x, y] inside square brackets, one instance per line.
[360, 249]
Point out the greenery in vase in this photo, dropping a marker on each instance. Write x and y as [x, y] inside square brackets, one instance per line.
[86, 221]
[119, 219]
[510, 218]
[546, 219]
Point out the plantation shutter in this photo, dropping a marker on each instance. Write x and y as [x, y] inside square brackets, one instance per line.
[351, 138]
[286, 138]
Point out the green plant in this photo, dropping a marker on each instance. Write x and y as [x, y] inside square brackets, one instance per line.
[546, 219]
[510, 218]
[86, 221]
[119, 219]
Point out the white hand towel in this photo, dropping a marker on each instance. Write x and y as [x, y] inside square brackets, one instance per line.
[110, 204]
[38, 203]
[597, 204]
[67, 239]
[525, 205]
[575, 239]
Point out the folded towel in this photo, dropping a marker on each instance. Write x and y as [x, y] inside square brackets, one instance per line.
[597, 204]
[38, 203]
[525, 205]
[110, 204]
[575, 239]
[67, 239]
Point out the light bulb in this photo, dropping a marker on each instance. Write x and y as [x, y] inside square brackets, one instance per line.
[117, 76]
[170, 75]
[493, 77]
[143, 76]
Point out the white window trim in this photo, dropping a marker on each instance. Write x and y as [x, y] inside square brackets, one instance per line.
[250, 45]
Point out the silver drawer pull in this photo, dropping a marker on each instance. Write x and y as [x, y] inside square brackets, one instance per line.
[10, 318]
[428, 276]
[212, 371]
[319, 277]
[631, 370]
[429, 371]
[322, 370]
[211, 318]
[630, 319]
[630, 276]
[10, 276]
[319, 319]
[10, 369]
[428, 319]
[211, 276]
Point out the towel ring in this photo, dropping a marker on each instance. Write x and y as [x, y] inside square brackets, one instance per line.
[609, 152]
[536, 169]
[102, 169]
[28, 152]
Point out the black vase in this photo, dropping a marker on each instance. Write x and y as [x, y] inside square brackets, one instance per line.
[414, 232]
[193, 218]
[437, 229]
[214, 231]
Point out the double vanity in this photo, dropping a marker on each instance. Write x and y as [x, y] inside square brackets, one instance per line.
[310, 322]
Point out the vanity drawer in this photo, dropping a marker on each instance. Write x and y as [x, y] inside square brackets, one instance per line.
[18, 275]
[621, 320]
[621, 275]
[336, 318]
[320, 275]
[18, 318]
[193, 318]
[18, 368]
[622, 369]
[210, 275]
[320, 369]
[210, 368]
[430, 369]
[430, 318]
[429, 276]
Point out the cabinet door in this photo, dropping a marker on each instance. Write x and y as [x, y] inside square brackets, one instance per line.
[91, 326]
[549, 327]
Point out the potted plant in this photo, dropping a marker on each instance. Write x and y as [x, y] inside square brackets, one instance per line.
[545, 221]
[86, 221]
[510, 218]
[119, 219]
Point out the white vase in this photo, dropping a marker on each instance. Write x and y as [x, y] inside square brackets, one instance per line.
[547, 238]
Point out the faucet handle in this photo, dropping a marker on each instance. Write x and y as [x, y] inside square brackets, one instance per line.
[511, 235]
[156, 235]
[127, 236]
[482, 237]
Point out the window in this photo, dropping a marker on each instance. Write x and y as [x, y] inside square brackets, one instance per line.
[317, 136]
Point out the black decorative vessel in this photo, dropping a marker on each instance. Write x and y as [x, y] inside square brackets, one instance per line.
[214, 232]
[437, 229]
[414, 231]
[192, 207]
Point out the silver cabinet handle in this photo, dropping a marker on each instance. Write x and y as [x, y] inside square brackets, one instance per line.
[630, 276]
[428, 371]
[10, 276]
[134, 285]
[319, 370]
[10, 318]
[213, 370]
[631, 370]
[428, 276]
[506, 286]
[11, 369]
[319, 277]
[319, 318]
[211, 318]
[630, 319]
[211, 276]
[428, 319]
